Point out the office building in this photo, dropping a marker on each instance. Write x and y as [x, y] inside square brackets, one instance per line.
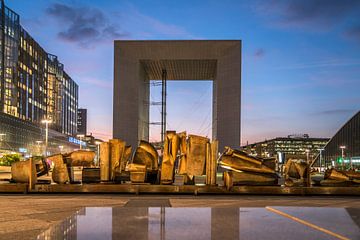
[33, 86]
[298, 146]
[82, 121]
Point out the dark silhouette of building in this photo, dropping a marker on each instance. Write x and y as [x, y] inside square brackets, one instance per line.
[347, 137]
[82, 121]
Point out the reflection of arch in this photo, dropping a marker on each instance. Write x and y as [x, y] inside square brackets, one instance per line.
[138, 62]
[225, 220]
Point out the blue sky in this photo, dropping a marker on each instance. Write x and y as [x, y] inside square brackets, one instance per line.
[301, 59]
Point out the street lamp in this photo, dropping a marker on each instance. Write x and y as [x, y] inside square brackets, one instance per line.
[80, 136]
[308, 177]
[1, 137]
[342, 155]
[307, 155]
[46, 122]
[38, 142]
[320, 152]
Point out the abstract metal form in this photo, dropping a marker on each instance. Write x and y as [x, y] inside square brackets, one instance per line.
[341, 177]
[171, 147]
[296, 172]
[147, 155]
[245, 169]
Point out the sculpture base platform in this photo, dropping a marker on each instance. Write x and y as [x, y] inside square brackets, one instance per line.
[171, 189]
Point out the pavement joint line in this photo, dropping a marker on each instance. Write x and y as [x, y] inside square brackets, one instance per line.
[316, 227]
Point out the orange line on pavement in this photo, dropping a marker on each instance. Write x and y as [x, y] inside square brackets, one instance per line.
[306, 223]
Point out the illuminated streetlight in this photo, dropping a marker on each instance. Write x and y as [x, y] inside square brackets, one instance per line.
[46, 122]
[38, 142]
[308, 177]
[61, 148]
[1, 137]
[307, 155]
[320, 152]
[80, 136]
[342, 155]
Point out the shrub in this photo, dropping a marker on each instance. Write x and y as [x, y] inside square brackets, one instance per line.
[8, 159]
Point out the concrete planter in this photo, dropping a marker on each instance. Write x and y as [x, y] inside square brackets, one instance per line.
[5, 168]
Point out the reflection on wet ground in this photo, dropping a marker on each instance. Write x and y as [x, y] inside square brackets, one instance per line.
[208, 223]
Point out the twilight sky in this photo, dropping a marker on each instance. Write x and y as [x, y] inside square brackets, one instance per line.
[301, 59]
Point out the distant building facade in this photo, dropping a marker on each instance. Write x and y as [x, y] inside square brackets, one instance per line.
[82, 121]
[33, 86]
[349, 137]
[292, 146]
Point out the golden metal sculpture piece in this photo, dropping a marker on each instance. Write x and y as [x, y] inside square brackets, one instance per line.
[296, 172]
[246, 169]
[42, 167]
[60, 173]
[146, 155]
[113, 159]
[127, 156]
[105, 161]
[240, 161]
[171, 148]
[211, 162]
[233, 178]
[196, 155]
[137, 172]
[81, 158]
[23, 171]
[183, 158]
[340, 175]
[117, 149]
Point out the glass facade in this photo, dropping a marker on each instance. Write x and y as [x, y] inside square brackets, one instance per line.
[32, 82]
[349, 137]
[23, 136]
[55, 76]
[33, 85]
[10, 28]
[70, 105]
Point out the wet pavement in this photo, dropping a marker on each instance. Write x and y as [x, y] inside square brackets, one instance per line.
[26, 216]
[271, 222]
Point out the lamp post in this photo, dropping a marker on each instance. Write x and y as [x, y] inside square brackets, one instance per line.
[320, 152]
[80, 136]
[38, 146]
[307, 155]
[1, 137]
[46, 122]
[308, 176]
[343, 155]
[61, 148]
